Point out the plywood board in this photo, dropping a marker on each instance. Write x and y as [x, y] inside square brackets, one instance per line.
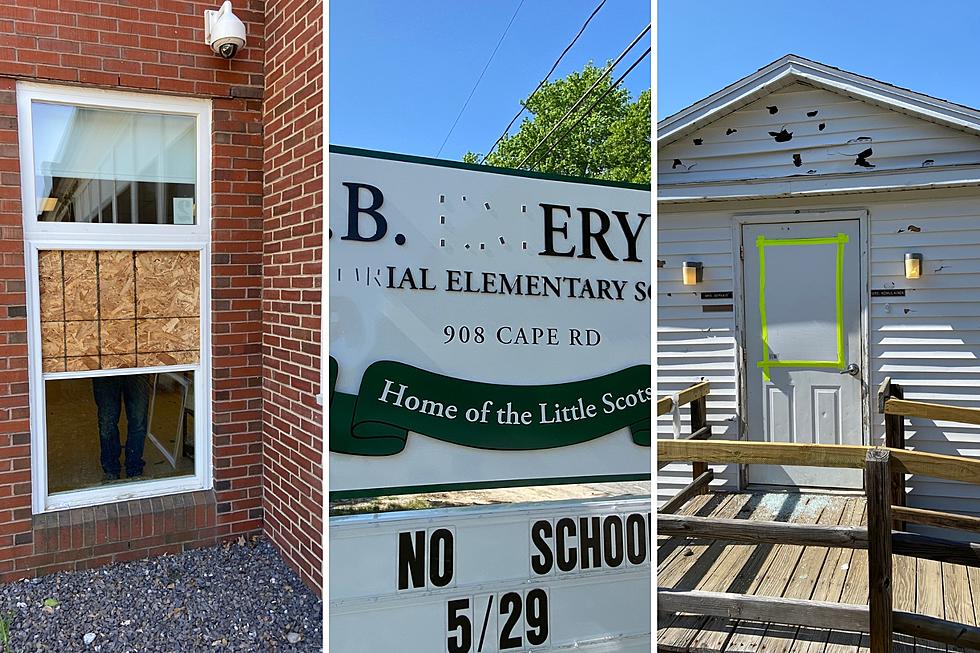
[118, 336]
[117, 285]
[52, 339]
[168, 334]
[81, 363]
[168, 358]
[82, 338]
[90, 302]
[168, 284]
[118, 361]
[81, 285]
[51, 285]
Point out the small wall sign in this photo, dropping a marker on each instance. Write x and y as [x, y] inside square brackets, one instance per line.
[888, 292]
[723, 294]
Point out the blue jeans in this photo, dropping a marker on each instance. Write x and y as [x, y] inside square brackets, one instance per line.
[110, 393]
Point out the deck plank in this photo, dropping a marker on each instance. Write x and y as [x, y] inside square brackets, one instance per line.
[792, 571]
[688, 572]
[747, 636]
[929, 600]
[957, 602]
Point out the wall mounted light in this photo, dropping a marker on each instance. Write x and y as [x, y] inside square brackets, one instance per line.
[691, 272]
[913, 265]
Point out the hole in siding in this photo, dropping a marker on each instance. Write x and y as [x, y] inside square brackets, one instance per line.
[862, 159]
[772, 110]
[928, 162]
[730, 131]
[811, 114]
[821, 126]
[861, 139]
[782, 135]
[699, 141]
[811, 172]
[677, 163]
[797, 160]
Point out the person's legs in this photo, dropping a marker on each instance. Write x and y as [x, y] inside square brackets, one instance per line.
[136, 391]
[108, 397]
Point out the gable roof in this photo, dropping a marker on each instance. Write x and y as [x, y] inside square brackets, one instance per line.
[794, 68]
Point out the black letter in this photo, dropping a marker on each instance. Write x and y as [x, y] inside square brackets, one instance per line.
[550, 229]
[354, 210]
[441, 542]
[567, 556]
[631, 236]
[636, 539]
[541, 564]
[612, 537]
[588, 541]
[588, 235]
[411, 559]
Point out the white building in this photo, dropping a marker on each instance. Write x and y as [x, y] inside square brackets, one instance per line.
[801, 189]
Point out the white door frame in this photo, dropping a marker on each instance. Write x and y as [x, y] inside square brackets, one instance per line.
[741, 374]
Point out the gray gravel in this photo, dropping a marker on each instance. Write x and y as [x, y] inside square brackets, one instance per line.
[237, 597]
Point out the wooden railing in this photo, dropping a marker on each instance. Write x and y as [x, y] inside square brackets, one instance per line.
[695, 396]
[884, 473]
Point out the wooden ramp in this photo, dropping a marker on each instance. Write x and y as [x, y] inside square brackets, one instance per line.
[800, 572]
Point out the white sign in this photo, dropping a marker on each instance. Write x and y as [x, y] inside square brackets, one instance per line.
[485, 328]
[492, 579]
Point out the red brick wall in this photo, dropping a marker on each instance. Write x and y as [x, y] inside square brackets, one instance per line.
[145, 45]
[291, 297]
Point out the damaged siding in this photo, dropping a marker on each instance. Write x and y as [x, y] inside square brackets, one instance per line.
[690, 343]
[805, 131]
[927, 341]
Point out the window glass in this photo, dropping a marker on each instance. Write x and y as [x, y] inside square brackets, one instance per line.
[113, 166]
[119, 428]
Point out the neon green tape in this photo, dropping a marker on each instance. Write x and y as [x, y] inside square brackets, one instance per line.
[841, 354]
[765, 364]
[762, 242]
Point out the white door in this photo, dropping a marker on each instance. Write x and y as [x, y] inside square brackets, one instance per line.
[802, 288]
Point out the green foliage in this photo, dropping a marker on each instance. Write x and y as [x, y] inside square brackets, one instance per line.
[612, 142]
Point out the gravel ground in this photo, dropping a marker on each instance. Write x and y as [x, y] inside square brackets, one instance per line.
[236, 597]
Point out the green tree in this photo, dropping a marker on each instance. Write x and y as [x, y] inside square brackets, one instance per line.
[611, 142]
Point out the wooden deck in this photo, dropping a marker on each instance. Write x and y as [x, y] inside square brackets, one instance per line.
[815, 573]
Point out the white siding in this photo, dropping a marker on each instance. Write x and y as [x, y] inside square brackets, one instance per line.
[898, 141]
[692, 344]
[928, 341]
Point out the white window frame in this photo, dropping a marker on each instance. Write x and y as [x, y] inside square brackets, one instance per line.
[39, 235]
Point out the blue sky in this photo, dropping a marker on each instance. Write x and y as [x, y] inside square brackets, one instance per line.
[401, 70]
[930, 47]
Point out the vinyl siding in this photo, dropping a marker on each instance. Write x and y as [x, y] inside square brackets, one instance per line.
[927, 341]
[898, 141]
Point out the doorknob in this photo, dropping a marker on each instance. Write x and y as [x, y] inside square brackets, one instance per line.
[851, 369]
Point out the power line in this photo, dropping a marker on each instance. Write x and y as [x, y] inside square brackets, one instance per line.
[473, 90]
[542, 82]
[585, 95]
[596, 103]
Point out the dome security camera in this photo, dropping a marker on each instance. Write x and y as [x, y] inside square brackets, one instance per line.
[224, 31]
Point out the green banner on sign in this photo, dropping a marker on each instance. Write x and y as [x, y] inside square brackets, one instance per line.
[395, 399]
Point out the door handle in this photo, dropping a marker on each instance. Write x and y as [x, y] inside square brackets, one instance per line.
[851, 369]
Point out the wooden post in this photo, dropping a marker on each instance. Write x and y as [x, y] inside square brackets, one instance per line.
[699, 419]
[895, 439]
[877, 483]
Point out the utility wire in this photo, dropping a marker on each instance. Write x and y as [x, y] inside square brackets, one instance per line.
[585, 95]
[592, 106]
[542, 82]
[480, 78]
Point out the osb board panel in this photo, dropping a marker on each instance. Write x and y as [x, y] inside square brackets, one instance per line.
[167, 334]
[169, 358]
[90, 302]
[81, 285]
[52, 339]
[118, 336]
[82, 338]
[117, 286]
[52, 286]
[168, 284]
[53, 364]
